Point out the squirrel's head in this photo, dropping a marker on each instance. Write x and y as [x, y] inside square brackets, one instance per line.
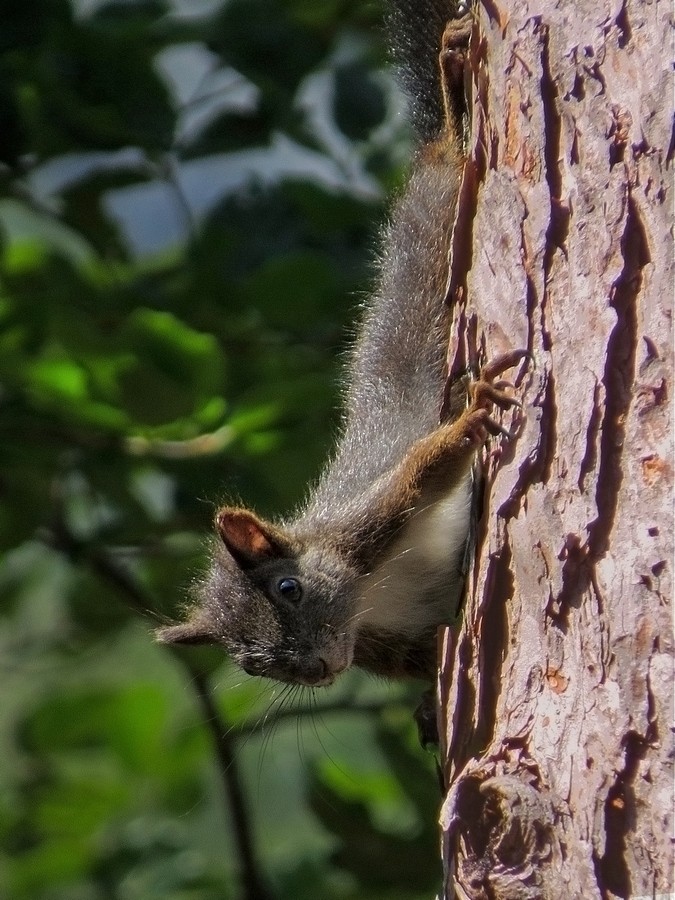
[281, 606]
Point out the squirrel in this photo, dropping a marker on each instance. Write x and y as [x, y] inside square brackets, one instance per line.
[370, 565]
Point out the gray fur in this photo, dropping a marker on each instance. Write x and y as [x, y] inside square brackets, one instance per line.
[377, 578]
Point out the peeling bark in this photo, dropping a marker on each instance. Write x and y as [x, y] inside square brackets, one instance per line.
[557, 689]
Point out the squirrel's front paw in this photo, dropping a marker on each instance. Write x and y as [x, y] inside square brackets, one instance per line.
[485, 393]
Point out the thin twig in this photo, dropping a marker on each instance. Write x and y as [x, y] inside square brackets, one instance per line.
[254, 887]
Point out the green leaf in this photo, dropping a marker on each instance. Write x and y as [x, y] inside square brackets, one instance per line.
[175, 349]
[61, 378]
[29, 235]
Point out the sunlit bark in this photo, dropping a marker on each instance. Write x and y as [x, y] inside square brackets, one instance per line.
[557, 689]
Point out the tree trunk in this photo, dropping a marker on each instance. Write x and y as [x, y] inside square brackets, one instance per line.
[556, 691]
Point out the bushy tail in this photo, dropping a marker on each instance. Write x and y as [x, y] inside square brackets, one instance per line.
[415, 28]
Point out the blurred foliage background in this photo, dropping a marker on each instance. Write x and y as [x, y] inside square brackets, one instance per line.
[190, 195]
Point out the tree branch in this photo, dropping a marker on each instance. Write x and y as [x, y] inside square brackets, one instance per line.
[254, 886]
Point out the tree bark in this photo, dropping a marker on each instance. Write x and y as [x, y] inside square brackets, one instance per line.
[556, 691]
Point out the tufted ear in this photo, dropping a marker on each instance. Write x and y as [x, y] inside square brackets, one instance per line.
[197, 632]
[248, 538]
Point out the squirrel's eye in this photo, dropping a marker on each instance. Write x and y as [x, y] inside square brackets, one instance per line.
[289, 588]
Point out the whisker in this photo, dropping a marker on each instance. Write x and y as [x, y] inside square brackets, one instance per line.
[356, 615]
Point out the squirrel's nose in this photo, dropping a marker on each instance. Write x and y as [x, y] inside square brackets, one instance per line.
[316, 672]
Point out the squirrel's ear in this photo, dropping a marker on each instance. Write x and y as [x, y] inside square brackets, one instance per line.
[248, 539]
[196, 632]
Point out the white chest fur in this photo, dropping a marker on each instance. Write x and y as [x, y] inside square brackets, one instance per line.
[415, 585]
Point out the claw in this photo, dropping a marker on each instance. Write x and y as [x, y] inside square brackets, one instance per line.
[503, 362]
[496, 429]
[485, 393]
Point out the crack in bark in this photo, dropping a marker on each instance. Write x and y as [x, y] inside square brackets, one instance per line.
[621, 816]
[549, 434]
[590, 457]
[461, 245]
[652, 736]
[479, 64]
[671, 147]
[531, 295]
[620, 812]
[618, 379]
[578, 90]
[463, 729]
[574, 149]
[537, 467]
[576, 578]
[469, 732]
[624, 26]
[498, 590]
[559, 223]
